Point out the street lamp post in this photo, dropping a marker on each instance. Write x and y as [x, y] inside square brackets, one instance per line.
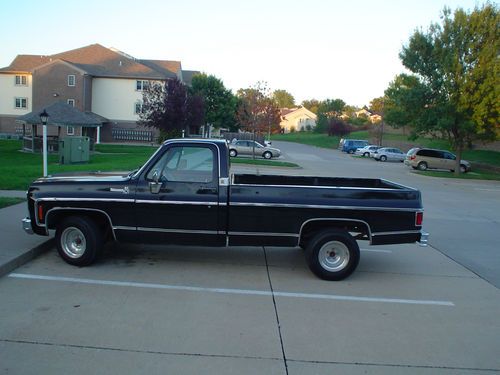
[44, 116]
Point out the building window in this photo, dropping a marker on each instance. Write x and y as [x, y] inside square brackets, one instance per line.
[139, 108]
[21, 103]
[141, 85]
[71, 80]
[71, 102]
[21, 80]
[70, 130]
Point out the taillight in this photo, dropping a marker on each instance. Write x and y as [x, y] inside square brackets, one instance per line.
[419, 218]
[40, 213]
[413, 157]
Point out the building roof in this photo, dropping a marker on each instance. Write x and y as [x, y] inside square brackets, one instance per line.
[100, 61]
[62, 114]
[25, 63]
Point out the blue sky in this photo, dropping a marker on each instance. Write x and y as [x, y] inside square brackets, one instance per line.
[313, 49]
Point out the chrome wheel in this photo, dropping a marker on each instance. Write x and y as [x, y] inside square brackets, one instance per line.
[333, 256]
[73, 242]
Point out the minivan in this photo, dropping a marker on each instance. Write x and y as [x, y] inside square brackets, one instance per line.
[424, 158]
[351, 145]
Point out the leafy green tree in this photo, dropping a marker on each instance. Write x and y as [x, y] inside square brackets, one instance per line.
[257, 111]
[220, 103]
[454, 92]
[283, 98]
[311, 105]
[328, 109]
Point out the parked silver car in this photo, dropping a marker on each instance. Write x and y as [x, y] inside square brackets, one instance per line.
[242, 147]
[367, 151]
[389, 153]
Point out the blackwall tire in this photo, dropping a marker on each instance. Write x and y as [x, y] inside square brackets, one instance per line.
[267, 155]
[332, 255]
[383, 158]
[79, 240]
[422, 166]
[233, 153]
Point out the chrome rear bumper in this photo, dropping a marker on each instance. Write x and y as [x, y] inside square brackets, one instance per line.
[27, 225]
[424, 238]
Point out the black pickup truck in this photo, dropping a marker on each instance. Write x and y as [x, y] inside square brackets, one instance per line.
[184, 194]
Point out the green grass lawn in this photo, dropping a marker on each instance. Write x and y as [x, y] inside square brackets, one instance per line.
[271, 163]
[18, 169]
[5, 202]
[476, 174]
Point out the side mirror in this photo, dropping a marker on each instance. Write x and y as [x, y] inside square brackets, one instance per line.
[155, 185]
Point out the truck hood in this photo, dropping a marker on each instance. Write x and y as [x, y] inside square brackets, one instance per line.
[87, 177]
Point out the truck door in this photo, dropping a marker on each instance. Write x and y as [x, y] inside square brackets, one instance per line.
[177, 198]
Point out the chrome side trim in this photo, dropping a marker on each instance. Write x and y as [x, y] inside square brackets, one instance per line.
[65, 199]
[121, 227]
[337, 219]
[270, 234]
[193, 203]
[290, 205]
[395, 232]
[318, 187]
[182, 231]
[75, 209]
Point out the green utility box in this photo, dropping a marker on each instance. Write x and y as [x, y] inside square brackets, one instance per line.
[74, 150]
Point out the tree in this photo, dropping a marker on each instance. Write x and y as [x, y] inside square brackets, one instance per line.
[257, 111]
[328, 109]
[283, 98]
[338, 127]
[220, 103]
[169, 107]
[455, 86]
[311, 105]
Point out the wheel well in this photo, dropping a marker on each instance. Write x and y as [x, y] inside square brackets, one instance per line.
[56, 216]
[310, 228]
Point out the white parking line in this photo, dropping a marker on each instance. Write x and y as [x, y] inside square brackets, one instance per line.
[230, 291]
[376, 251]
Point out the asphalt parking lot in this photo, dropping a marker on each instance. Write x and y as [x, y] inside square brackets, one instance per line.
[192, 310]
[141, 309]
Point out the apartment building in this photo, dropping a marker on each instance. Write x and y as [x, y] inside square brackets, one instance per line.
[96, 79]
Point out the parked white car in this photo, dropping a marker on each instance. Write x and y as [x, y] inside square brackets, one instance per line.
[367, 151]
[389, 154]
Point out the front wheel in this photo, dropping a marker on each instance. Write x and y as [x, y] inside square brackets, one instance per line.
[267, 155]
[332, 255]
[78, 240]
[383, 158]
[366, 154]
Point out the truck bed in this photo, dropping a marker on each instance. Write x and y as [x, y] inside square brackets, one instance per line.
[334, 182]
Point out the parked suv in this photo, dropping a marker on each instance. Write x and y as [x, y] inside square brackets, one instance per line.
[351, 145]
[424, 158]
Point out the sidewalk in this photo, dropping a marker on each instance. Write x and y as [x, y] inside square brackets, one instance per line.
[16, 246]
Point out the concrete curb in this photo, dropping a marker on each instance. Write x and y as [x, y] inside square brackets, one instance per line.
[25, 257]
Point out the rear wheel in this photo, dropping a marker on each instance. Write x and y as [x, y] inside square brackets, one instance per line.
[422, 166]
[267, 155]
[350, 152]
[233, 153]
[463, 169]
[78, 240]
[332, 254]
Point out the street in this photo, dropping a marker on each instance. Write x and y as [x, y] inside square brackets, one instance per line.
[259, 310]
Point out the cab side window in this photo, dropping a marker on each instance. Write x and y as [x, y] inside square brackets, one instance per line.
[185, 164]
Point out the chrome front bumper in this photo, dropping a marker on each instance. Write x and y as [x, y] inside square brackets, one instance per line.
[424, 238]
[27, 225]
